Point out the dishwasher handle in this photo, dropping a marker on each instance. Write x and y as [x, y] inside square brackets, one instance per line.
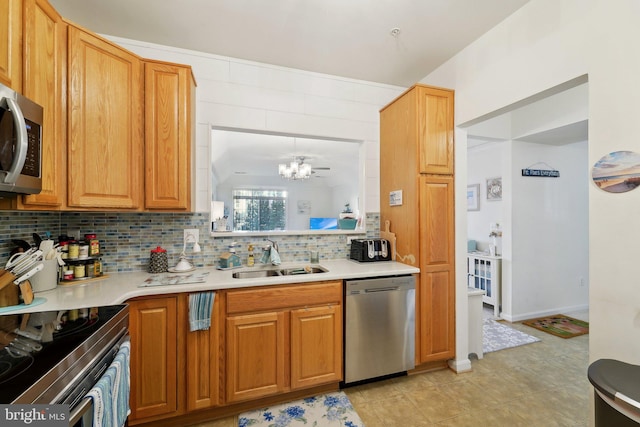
[387, 289]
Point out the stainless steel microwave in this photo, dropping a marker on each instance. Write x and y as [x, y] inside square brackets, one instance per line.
[20, 143]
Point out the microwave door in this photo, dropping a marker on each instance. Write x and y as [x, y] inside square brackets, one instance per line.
[13, 140]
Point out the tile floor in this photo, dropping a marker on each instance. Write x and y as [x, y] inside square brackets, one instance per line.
[541, 384]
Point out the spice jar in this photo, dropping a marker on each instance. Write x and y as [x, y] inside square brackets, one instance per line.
[94, 244]
[79, 271]
[68, 275]
[74, 249]
[64, 249]
[83, 250]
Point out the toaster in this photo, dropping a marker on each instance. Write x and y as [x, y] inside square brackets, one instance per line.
[367, 250]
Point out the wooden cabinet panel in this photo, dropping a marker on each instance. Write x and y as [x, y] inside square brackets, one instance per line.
[282, 297]
[45, 49]
[316, 346]
[436, 291]
[154, 357]
[11, 44]
[105, 124]
[435, 124]
[203, 362]
[169, 91]
[255, 355]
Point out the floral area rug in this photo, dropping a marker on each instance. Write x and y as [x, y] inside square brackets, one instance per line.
[560, 325]
[333, 409]
[497, 336]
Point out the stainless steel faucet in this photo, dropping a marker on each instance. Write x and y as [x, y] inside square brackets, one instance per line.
[274, 245]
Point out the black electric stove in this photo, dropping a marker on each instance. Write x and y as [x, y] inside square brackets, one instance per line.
[45, 356]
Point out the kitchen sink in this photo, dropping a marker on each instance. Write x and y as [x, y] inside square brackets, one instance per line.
[302, 270]
[254, 274]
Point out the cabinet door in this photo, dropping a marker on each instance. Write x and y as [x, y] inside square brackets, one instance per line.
[45, 38]
[10, 43]
[203, 361]
[154, 357]
[316, 346]
[255, 355]
[105, 124]
[435, 124]
[168, 136]
[436, 290]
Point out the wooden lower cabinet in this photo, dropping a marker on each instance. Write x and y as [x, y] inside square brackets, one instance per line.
[263, 342]
[283, 338]
[315, 356]
[203, 362]
[255, 355]
[173, 370]
[154, 326]
[436, 288]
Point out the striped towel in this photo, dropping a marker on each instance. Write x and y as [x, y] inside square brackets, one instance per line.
[200, 306]
[111, 393]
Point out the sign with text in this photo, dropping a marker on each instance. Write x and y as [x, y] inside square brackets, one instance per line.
[395, 198]
[545, 173]
[34, 415]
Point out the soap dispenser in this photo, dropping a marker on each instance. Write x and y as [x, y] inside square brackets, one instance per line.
[250, 259]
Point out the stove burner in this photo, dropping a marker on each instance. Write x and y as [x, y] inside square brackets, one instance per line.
[12, 364]
[72, 327]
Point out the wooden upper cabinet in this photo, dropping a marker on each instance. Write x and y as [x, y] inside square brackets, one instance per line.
[169, 132]
[11, 43]
[106, 124]
[45, 49]
[435, 130]
[419, 129]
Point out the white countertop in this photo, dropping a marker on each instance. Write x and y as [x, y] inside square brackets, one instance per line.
[120, 287]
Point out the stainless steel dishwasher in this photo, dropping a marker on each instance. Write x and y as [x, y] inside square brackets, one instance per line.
[379, 336]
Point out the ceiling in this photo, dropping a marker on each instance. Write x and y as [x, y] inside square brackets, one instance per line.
[333, 162]
[344, 38]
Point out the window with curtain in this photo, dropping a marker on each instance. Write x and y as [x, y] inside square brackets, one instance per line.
[259, 210]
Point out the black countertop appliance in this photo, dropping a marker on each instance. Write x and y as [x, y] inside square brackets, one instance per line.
[368, 250]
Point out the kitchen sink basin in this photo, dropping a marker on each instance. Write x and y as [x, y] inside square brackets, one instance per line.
[302, 270]
[254, 274]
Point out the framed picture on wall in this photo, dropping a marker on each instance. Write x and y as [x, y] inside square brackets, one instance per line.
[494, 188]
[473, 197]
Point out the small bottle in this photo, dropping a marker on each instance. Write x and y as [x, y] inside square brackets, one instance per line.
[250, 260]
[74, 249]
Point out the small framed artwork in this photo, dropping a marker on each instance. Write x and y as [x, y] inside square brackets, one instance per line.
[473, 197]
[494, 188]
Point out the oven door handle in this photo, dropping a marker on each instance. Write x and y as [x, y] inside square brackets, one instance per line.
[85, 407]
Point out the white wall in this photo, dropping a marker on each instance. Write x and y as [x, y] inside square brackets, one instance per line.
[545, 44]
[248, 95]
[550, 235]
[485, 161]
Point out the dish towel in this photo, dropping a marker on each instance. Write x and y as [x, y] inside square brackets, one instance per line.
[275, 257]
[200, 306]
[111, 393]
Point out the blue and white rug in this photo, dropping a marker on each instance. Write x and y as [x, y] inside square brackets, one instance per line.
[333, 409]
[497, 336]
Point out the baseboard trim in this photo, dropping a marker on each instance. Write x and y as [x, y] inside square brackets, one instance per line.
[536, 314]
[460, 366]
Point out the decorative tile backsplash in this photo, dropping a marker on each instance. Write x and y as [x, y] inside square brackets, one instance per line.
[126, 239]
